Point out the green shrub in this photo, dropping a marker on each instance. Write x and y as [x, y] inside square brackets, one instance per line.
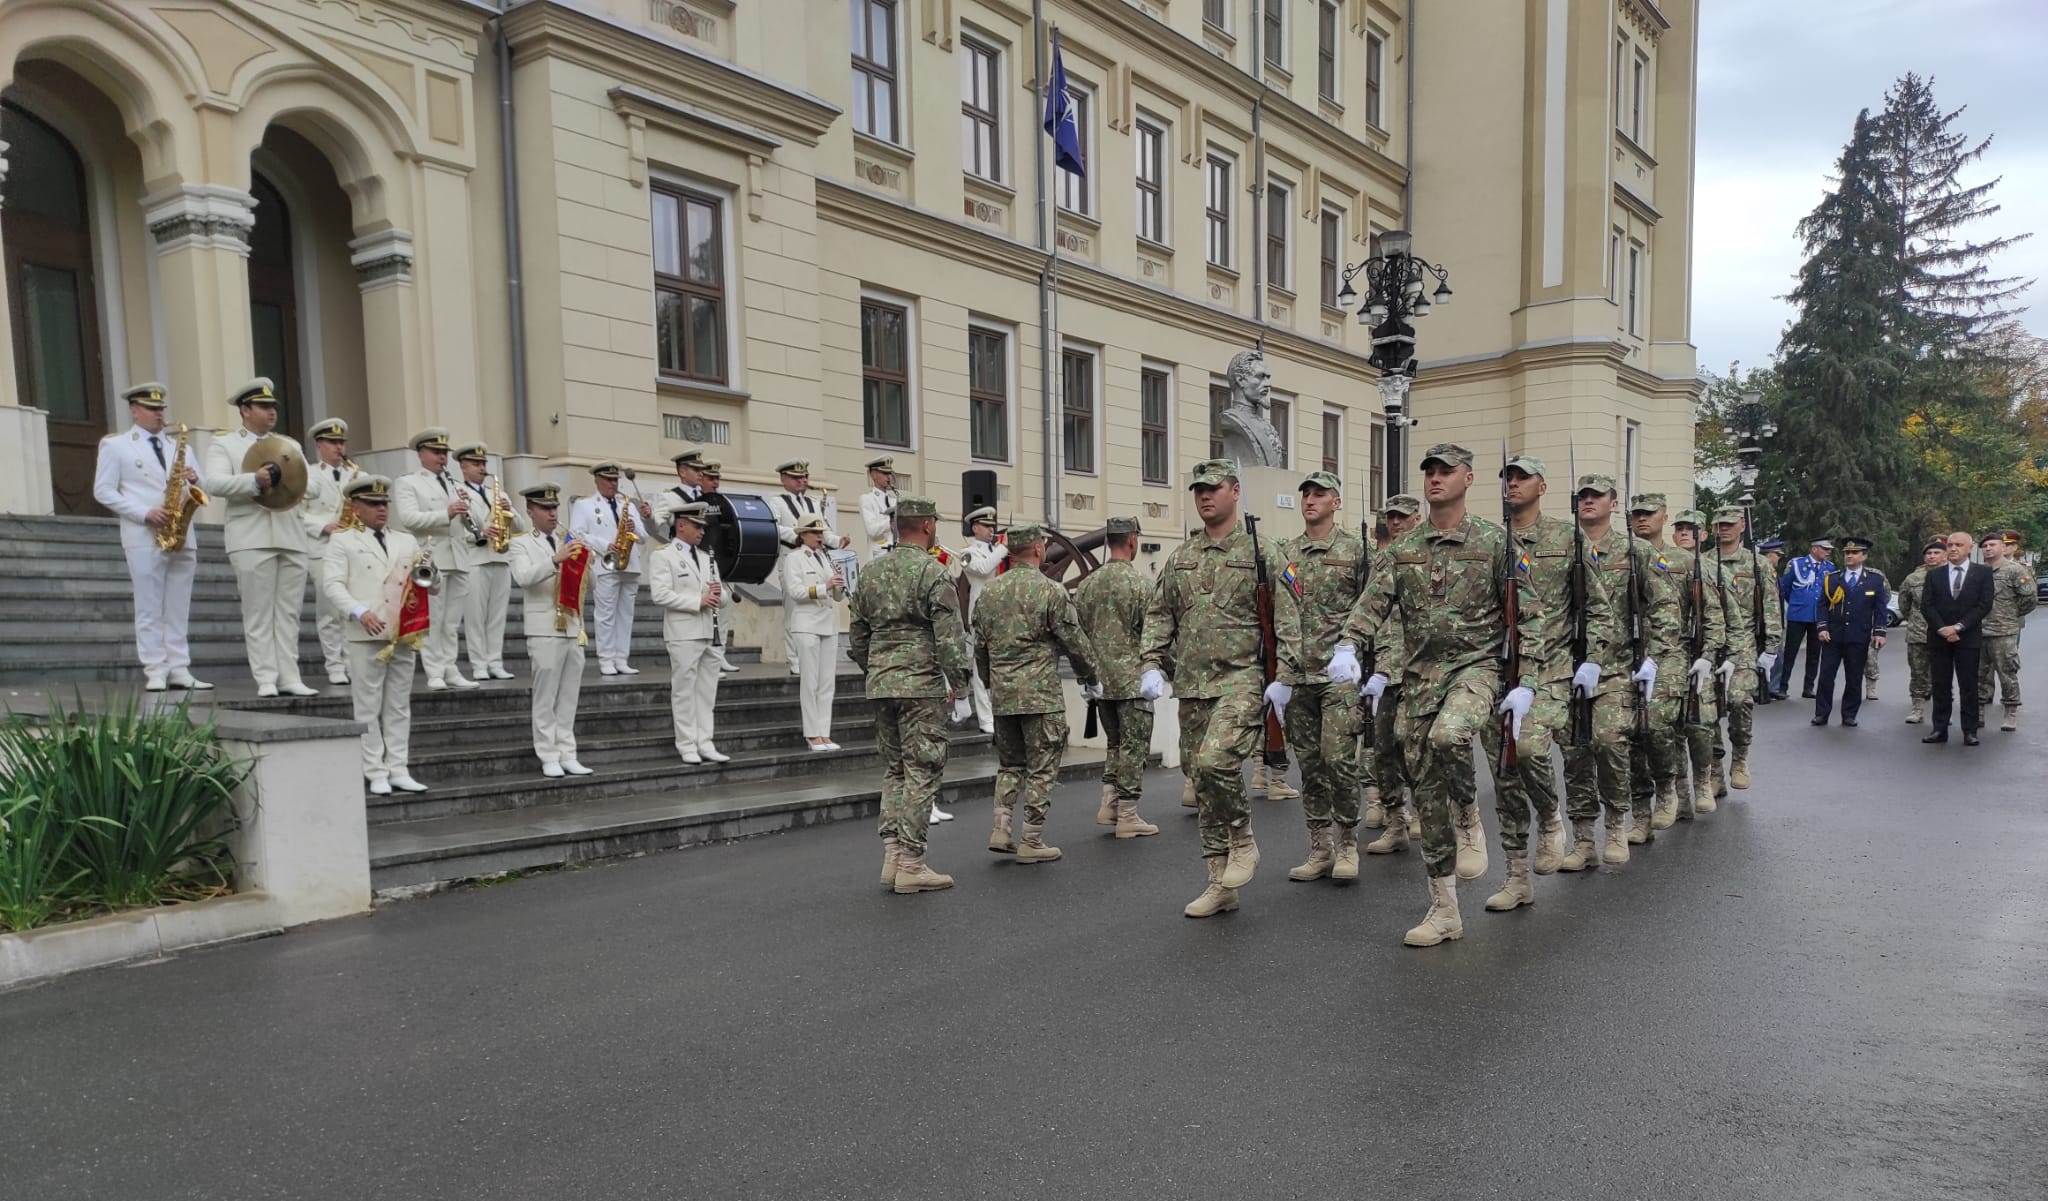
[116, 809]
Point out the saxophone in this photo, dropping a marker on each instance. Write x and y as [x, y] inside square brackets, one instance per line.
[347, 519]
[182, 499]
[499, 528]
[620, 554]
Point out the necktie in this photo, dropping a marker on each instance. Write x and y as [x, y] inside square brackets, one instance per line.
[157, 444]
[337, 474]
[613, 501]
[380, 540]
[693, 557]
[443, 481]
[1955, 581]
[1852, 578]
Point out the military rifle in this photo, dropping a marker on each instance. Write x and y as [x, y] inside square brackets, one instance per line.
[1756, 599]
[1269, 647]
[1695, 634]
[1727, 624]
[1511, 612]
[1580, 731]
[1638, 589]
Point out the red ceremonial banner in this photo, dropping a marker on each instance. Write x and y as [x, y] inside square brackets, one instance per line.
[569, 587]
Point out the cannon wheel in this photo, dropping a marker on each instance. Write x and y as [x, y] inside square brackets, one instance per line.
[1071, 560]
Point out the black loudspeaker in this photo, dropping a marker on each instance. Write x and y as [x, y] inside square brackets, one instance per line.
[742, 537]
[977, 488]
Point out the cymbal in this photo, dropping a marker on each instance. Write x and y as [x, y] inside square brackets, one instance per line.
[291, 464]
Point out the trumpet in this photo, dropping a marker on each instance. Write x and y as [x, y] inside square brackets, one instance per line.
[423, 575]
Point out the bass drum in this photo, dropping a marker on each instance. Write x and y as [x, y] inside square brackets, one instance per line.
[742, 537]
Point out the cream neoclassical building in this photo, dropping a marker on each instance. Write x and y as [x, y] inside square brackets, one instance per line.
[590, 229]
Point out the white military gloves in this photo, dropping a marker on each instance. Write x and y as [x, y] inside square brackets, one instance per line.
[1517, 703]
[1766, 661]
[1586, 680]
[1374, 687]
[1278, 695]
[1702, 671]
[1646, 676]
[1343, 666]
[1152, 685]
[1091, 692]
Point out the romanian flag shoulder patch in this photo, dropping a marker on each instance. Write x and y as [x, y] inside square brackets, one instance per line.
[1291, 578]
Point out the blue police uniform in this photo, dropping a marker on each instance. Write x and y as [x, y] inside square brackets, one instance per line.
[1855, 604]
[1800, 591]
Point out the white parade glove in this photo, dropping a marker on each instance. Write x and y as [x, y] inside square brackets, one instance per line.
[1702, 670]
[1343, 665]
[963, 708]
[1152, 685]
[1277, 695]
[1374, 687]
[1727, 670]
[1001, 552]
[1092, 692]
[1517, 702]
[1586, 680]
[1646, 675]
[1766, 661]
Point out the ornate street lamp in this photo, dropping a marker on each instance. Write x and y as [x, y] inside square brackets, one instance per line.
[1394, 299]
[1752, 424]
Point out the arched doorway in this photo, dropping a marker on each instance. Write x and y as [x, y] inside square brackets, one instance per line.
[274, 307]
[46, 229]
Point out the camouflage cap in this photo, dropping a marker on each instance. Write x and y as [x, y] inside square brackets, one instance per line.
[986, 513]
[1595, 482]
[916, 506]
[1119, 526]
[1526, 464]
[1450, 454]
[1728, 515]
[1647, 502]
[1403, 504]
[1028, 534]
[1213, 473]
[1691, 517]
[1322, 479]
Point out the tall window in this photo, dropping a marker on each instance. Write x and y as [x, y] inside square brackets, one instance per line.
[1151, 142]
[1621, 57]
[1217, 13]
[1328, 21]
[1217, 210]
[874, 68]
[1219, 400]
[1274, 35]
[885, 373]
[1331, 256]
[1074, 188]
[1077, 411]
[1635, 279]
[1283, 424]
[1376, 468]
[1276, 236]
[1153, 389]
[1614, 265]
[1333, 442]
[980, 110]
[689, 285]
[1637, 98]
[1631, 452]
[1375, 70]
[988, 394]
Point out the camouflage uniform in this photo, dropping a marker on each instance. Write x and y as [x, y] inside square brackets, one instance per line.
[1597, 775]
[1656, 757]
[1686, 566]
[1204, 613]
[1742, 579]
[1445, 588]
[1920, 677]
[1022, 624]
[2012, 598]
[1327, 576]
[1111, 603]
[906, 636]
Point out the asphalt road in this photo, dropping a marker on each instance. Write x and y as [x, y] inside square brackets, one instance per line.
[1837, 986]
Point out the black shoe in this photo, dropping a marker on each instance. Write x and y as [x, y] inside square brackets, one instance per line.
[1849, 722]
[1819, 719]
[1778, 695]
[1969, 738]
[1806, 693]
[1937, 736]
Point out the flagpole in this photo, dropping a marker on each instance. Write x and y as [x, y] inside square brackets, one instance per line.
[1048, 276]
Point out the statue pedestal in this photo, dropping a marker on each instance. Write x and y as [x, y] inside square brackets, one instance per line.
[1273, 495]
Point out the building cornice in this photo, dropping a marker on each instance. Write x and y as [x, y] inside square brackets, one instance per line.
[1559, 352]
[863, 211]
[1627, 199]
[551, 29]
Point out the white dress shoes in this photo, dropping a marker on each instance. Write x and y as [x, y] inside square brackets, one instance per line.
[459, 680]
[301, 689]
[407, 784]
[180, 678]
[337, 677]
[627, 669]
[940, 815]
[153, 684]
[437, 685]
[552, 771]
[692, 758]
[498, 672]
[712, 754]
[607, 669]
[379, 786]
[574, 768]
[266, 690]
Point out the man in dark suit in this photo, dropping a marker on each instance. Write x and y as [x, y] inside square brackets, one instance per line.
[1854, 602]
[1956, 599]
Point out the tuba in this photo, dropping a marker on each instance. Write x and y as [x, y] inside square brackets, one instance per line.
[182, 499]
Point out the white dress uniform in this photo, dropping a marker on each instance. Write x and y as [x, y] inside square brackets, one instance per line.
[556, 656]
[595, 519]
[129, 481]
[979, 562]
[680, 574]
[666, 502]
[811, 613]
[419, 506]
[364, 573]
[268, 549]
[490, 584]
[790, 508]
[878, 517]
[323, 507]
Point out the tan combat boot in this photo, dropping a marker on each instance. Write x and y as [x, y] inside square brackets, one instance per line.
[1666, 815]
[1870, 690]
[1720, 781]
[1244, 858]
[1319, 860]
[1738, 769]
[1549, 844]
[1918, 713]
[1703, 795]
[1471, 843]
[1215, 898]
[1639, 828]
[1000, 839]
[1615, 853]
[1375, 808]
[1129, 824]
[1442, 922]
[1393, 838]
[1343, 854]
[1105, 813]
[1032, 849]
[1187, 793]
[1272, 783]
[2012, 719]
[1582, 857]
[1517, 891]
[888, 863]
[1413, 816]
[913, 876]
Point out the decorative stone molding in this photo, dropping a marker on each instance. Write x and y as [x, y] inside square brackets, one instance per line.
[640, 108]
[205, 216]
[381, 259]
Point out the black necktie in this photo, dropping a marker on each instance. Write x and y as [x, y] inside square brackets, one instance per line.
[157, 444]
[337, 474]
[613, 501]
[551, 542]
[380, 540]
[443, 481]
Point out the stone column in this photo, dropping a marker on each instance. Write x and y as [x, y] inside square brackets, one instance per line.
[383, 263]
[202, 245]
[24, 432]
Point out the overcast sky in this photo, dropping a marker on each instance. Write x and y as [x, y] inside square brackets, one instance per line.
[1779, 88]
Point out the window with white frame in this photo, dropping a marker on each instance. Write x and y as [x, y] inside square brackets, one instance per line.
[690, 301]
[1329, 25]
[1077, 411]
[1151, 146]
[1376, 466]
[1375, 78]
[1283, 425]
[1219, 400]
[1614, 265]
[1631, 456]
[1155, 404]
[1074, 188]
[988, 393]
[1330, 256]
[981, 116]
[1273, 36]
[885, 373]
[1639, 100]
[875, 77]
[1621, 57]
[1277, 258]
[1635, 281]
[1333, 442]
[1216, 210]
[1216, 13]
